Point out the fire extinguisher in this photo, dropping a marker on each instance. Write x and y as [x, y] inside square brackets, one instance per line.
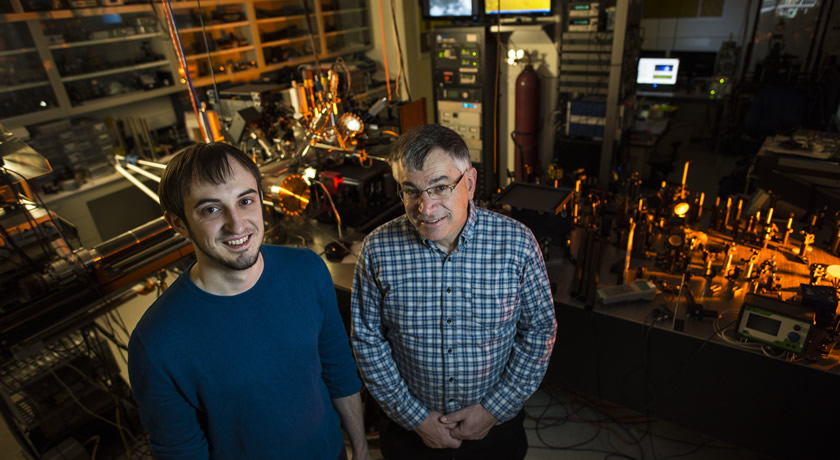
[527, 125]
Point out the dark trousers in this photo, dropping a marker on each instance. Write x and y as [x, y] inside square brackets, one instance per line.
[506, 441]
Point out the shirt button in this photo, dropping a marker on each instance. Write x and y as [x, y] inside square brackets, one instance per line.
[448, 320]
[449, 350]
[449, 290]
[451, 379]
[451, 400]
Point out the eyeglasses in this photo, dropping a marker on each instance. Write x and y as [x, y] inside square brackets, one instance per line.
[438, 192]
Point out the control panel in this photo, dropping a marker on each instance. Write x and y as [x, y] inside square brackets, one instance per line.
[465, 119]
[463, 81]
[774, 322]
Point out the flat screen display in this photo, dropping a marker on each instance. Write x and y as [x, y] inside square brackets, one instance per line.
[517, 6]
[449, 8]
[657, 71]
[763, 324]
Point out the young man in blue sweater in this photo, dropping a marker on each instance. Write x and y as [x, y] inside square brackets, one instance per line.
[245, 355]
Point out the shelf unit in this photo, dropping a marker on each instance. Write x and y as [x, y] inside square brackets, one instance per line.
[601, 64]
[85, 59]
[249, 38]
[103, 41]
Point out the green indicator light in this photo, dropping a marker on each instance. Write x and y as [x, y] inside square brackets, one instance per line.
[722, 81]
[712, 92]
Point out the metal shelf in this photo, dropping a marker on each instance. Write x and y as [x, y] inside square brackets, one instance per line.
[223, 77]
[229, 25]
[103, 73]
[587, 48]
[294, 17]
[220, 52]
[336, 33]
[75, 13]
[8, 89]
[102, 41]
[348, 50]
[343, 11]
[192, 4]
[603, 35]
[567, 57]
[122, 99]
[32, 118]
[17, 51]
[286, 41]
[289, 63]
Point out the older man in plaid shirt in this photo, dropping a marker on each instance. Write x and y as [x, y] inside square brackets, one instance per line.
[453, 319]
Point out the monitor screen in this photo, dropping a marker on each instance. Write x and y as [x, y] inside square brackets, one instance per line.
[517, 6]
[450, 8]
[696, 64]
[657, 71]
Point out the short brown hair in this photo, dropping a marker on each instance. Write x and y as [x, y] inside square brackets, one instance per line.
[199, 163]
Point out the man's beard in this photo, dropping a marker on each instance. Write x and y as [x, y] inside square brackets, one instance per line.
[243, 261]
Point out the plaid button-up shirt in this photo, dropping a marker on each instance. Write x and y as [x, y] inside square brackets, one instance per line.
[440, 331]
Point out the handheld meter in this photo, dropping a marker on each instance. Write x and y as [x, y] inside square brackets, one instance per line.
[635, 290]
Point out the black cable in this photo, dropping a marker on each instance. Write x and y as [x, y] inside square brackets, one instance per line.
[117, 318]
[7, 254]
[698, 350]
[95, 350]
[40, 235]
[87, 379]
[572, 446]
[24, 256]
[40, 202]
[109, 336]
[209, 61]
[312, 39]
[121, 348]
[85, 408]
[697, 446]
[399, 50]
[598, 410]
[585, 404]
[347, 75]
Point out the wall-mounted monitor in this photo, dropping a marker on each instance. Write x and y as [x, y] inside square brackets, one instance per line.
[450, 9]
[657, 71]
[517, 7]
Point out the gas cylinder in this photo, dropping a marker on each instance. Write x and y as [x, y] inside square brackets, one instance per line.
[527, 126]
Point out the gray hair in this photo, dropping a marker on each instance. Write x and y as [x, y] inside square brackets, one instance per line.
[412, 148]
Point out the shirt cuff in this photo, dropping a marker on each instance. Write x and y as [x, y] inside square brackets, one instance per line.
[411, 415]
[498, 403]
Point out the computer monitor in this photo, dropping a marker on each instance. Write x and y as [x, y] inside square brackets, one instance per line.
[657, 71]
[450, 9]
[695, 64]
[517, 7]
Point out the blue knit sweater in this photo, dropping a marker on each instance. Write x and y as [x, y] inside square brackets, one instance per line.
[245, 376]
